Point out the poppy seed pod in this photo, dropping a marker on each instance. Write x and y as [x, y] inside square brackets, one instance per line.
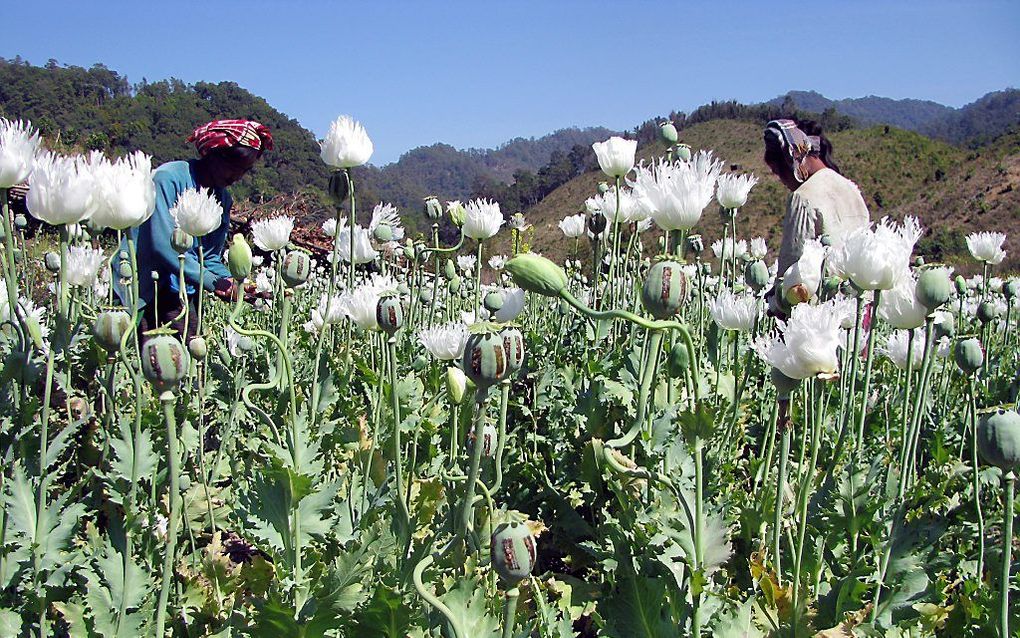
[239, 258]
[450, 269]
[493, 301]
[383, 233]
[52, 261]
[784, 384]
[513, 551]
[597, 224]
[695, 243]
[389, 314]
[668, 133]
[664, 290]
[433, 209]
[109, 328]
[603, 188]
[513, 344]
[969, 355]
[537, 274]
[339, 187]
[181, 241]
[1011, 289]
[489, 436]
[943, 329]
[296, 267]
[198, 348]
[683, 152]
[756, 275]
[164, 360]
[485, 359]
[998, 439]
[987, 311]
[933, 287]
[124, 269]
[425, 295]
[419, 363]
[20, 221]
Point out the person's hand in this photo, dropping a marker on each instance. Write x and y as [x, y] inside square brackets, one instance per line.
[226, 289]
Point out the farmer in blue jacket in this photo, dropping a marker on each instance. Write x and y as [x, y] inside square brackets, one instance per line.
[227, 150]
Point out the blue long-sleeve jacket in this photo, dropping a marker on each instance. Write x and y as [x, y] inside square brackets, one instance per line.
[152, 239]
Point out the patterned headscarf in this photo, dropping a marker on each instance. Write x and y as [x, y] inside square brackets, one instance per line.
[230, 133]
[796, 143]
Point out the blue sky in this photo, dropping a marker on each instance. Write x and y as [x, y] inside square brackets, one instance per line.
[475, 74]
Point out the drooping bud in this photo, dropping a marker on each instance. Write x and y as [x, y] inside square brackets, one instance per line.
[165, 361]
[296, 267]
[450, 269]
[969, 355]
[513, 551]
[110, 326]
[457, 213]
[537, 274]
[784, 384]
[339, 187]
[998, 439]
[1011, 289]
[679, 360]
[664, 290]
[239, 258]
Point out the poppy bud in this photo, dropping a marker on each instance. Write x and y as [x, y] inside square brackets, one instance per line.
[493, 301]
[432, 208]
[603, 188]
[339, 187]
[20, 221]
[969, 355]
[52, 261]
[456, 385]
[987, 311]
[537, 274]
[109, 328]
[457, 213]
[756, 275]
[683, 152]
[667, 131]
[198, 348]
[933, 287]
[961, 285]
[239, 258]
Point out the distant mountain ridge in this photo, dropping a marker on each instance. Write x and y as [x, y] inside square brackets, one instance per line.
[980, 121]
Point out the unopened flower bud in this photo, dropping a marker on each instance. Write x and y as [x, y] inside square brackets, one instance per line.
[239, 258]
[456, 385]
[969, 355]
[432, 208]
[537, 274]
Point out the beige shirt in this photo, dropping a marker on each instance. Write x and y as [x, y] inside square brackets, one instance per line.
[826, 204]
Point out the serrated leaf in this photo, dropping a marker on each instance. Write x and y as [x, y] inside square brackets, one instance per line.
[637, 608]
[385, 616]
[738, 624]
[471, 619]
[129, 454]
[10, 624]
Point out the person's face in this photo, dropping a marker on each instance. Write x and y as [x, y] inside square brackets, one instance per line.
[226, 169]
[782, 171]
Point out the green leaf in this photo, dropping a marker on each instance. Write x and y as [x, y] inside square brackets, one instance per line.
[385, 616]
[10, 624]
[698, 424]
[471, 619]
[738, 624]
[129, 453]
[637, 608]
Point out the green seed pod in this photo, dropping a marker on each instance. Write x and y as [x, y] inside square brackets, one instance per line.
[603, 188]
[450, 269]
[944, 329]
[987, 311]
[679, 360]
[296, 267]
[513, 552]
[419, 363]
[513, 344]
[181, 241]
[485, 359]
[403, 289]
[239, 258]
[537, 274]
[164, 360]
[20, 221]
[109, 328]
[493, 301]
[933, 287]
[389, 313]
[1011, 289]
[756, 275]
[124, 269]
[784, 384]
[383, 233]
[668, 133]
[339, 188]
[969, 355]
[456, 385]
[457, 213]
[52, 261]
[198, 348]
[433, 209]
[683, 152]
[454, 285]
[831, 284]
[664, 290]
[597, 224]
[998, 439]
[425, 296]
[245, 344]
[961, 285]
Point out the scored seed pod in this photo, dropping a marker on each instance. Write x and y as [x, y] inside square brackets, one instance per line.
[198, 348]
[969, 355]
[513, 550]
[664, 290]
[513, 344]
[165, 361]
[489, 436]
[110, 327]
[181, 241]
[389, 314]
[998, 439]
[296, 267]
[485, 359]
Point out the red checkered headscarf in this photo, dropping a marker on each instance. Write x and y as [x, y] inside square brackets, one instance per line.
[230, 133]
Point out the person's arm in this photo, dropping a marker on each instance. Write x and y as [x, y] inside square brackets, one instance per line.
[798, 227]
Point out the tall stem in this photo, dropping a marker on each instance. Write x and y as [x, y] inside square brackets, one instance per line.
[1008, 488]
[405, 516]
[977, 479]
[863, 413]
[476, 461]
[777, 521]
[167, 400]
